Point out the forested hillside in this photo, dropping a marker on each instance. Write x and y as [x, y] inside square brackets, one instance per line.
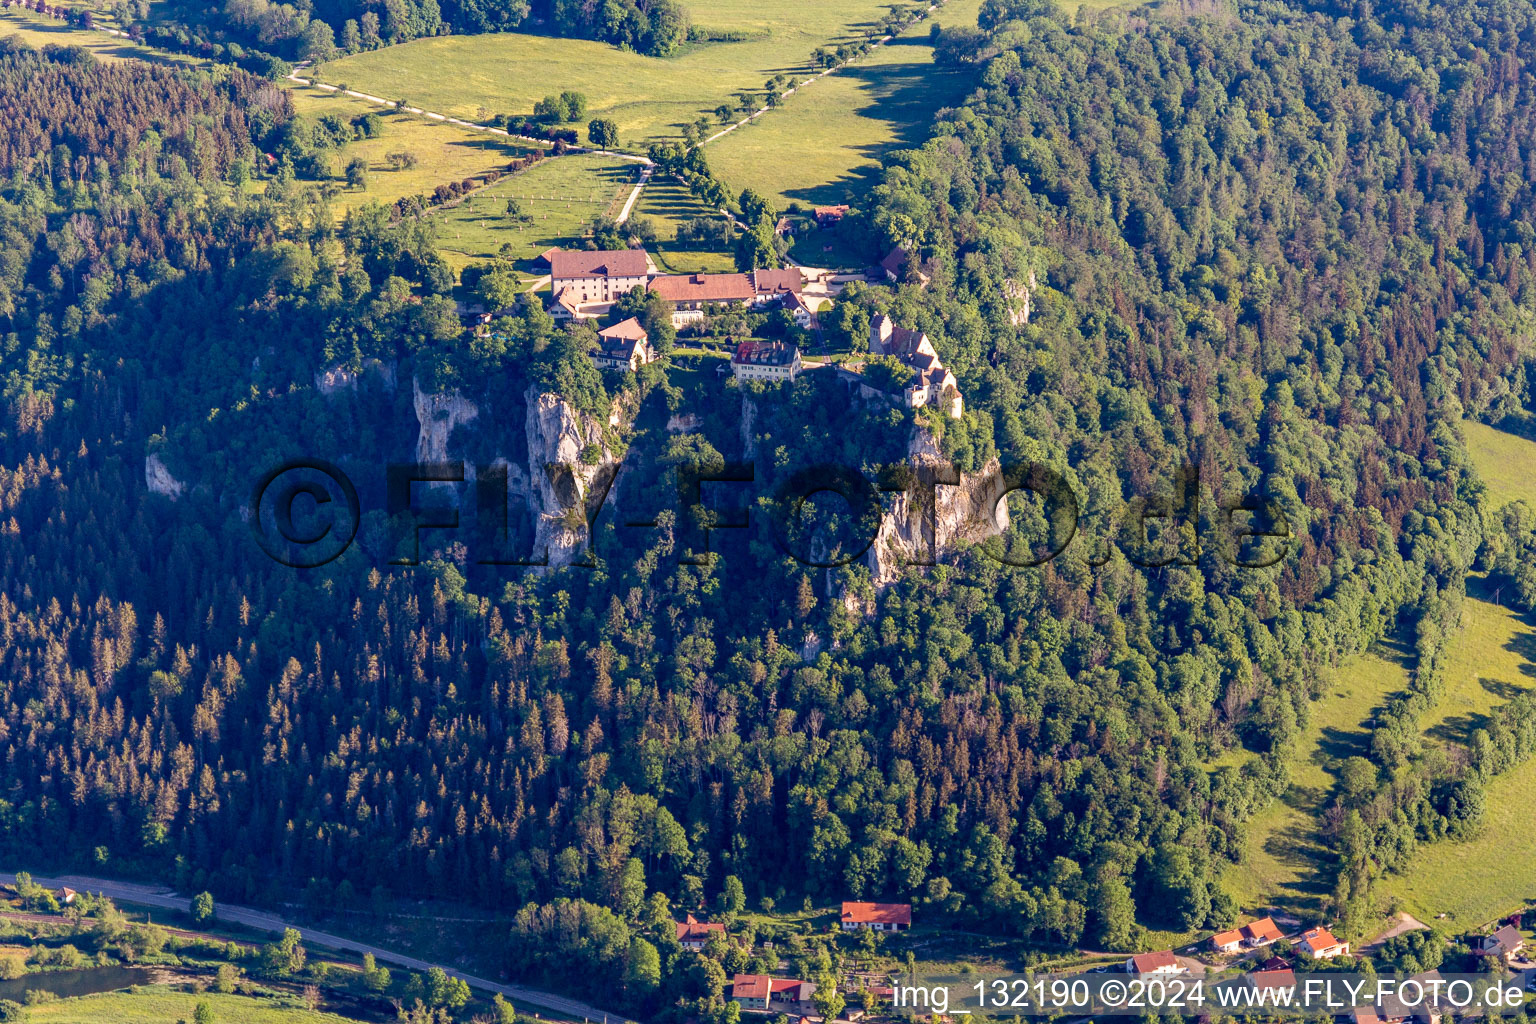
[1288, 247]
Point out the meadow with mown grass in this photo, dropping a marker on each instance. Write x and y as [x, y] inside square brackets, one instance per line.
[824, 144]
[1505, 461]
[37, 31]
[442, 153]
[667, 207]
[1284, 855]
[158, 1004]
[650, 98]
[556, 199]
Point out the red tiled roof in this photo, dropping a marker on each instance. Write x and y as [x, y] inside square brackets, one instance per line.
[704, 287]
[751, 986]
[601, 263]
[1226, 938]
[1262, 930]
[628, 330]
[877, 913]
[1148, 962]
[1318, 939]
[1265, 980]
[768, 282]
[692, 928]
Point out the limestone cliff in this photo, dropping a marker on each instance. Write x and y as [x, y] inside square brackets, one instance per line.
[159, 480]
[569, 461]
[971, 511]
[341, 378]
[562, 437]
[437, 415]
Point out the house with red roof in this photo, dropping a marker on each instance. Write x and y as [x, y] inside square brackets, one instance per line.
[761, 992]
[877, 917]
[1252, 935]
[1319, 943]
[692, 933]
[1162, 962]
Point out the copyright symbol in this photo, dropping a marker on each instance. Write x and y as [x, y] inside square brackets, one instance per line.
[1113, 993]
[304, 513]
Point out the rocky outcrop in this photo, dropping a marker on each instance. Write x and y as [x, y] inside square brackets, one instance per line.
[748, 428]
[343, 378]
[1018, 297]
[570, 468]
[159, 479]
[683, 423]
[437, 416]
[968, 511]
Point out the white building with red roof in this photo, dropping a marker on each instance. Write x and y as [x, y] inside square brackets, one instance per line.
[603, 275]
[878, 917]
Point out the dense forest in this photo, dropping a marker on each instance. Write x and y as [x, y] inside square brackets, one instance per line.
[1289, 247]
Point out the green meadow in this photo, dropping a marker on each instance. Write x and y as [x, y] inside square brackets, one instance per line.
[648, 97]
[558, 197]
[1486, 664]
[162, 1005]
[37, 31]
[667, 205]
[825, 142]
[1506, 462]
[443, 152]
[1284, 856]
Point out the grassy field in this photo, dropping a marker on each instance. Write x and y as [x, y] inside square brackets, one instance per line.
[1506, 462]
[838, 127]
[667, 205]
[38, 31]
[1491, 874]
[648, 97]
[160, 1005]
[1283, 852]
[561, 195]
[444, 153]
[1487, 663]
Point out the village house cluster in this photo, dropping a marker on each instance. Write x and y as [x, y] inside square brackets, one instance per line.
[585, 285]
[795, 996]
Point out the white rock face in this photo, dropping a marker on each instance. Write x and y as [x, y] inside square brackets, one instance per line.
[438, 415]
[1019, 299]
[159, 480]
[684, 423]
[340, 378]
[969, 511]
[557, 436]
[748, 429]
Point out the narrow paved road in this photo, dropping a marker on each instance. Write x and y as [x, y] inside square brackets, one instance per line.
[165, 899]
[634, 195]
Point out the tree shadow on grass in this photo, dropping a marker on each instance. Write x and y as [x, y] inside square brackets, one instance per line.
[1302, 850]
[904, 96]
